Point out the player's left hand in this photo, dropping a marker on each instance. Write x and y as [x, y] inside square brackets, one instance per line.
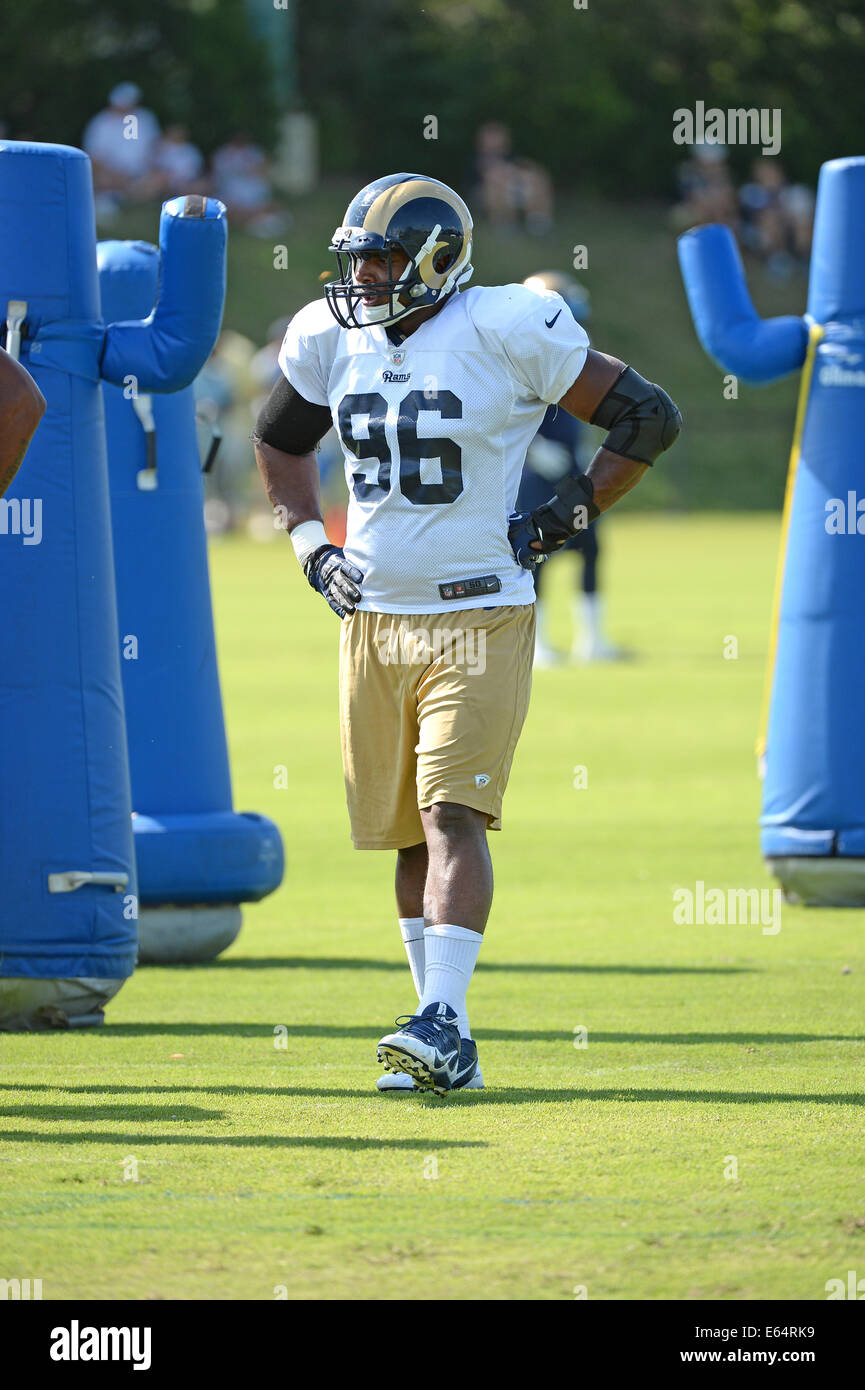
[527, 541]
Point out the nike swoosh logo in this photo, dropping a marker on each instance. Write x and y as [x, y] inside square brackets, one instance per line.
[550, 322]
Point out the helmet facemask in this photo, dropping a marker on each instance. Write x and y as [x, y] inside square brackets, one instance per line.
[395, 287]
[345, 295]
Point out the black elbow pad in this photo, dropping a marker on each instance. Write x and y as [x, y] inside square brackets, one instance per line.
[641, 419]
[290, 423]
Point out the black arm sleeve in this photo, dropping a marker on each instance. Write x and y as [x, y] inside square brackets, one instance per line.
[288, 422]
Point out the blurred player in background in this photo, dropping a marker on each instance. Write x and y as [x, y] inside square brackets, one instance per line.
[559, 449]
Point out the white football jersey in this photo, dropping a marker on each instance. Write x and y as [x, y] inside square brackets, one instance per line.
[435, 433]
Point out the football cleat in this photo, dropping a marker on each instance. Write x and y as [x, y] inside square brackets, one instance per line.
[396, 1083]
[598, 649]
[426, 1046]
[469, 1077]
[545, 656]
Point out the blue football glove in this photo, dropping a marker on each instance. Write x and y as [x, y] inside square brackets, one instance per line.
[522, 530]
[330, 573]
[568, 513]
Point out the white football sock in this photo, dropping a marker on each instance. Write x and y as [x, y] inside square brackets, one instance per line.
[450, 955]
[591, 613]
[463, 1024]
[411, 931]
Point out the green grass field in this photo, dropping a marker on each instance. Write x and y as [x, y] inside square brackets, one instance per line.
[265, 1170]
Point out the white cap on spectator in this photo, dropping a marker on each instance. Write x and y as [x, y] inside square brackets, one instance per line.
[711, 152]
[124, 94]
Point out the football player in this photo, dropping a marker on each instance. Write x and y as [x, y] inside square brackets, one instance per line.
[436, 392]
[556, 451]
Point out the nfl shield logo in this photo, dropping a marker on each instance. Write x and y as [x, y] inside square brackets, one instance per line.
[397, 358]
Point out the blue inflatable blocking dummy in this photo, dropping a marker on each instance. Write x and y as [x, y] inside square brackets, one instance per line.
[197, 859]
[68, 895]
[813, 741]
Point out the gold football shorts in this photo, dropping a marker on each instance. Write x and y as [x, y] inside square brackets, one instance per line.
[431, 707]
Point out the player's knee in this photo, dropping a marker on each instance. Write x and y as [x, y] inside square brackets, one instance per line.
[453, 821]
[412, 854]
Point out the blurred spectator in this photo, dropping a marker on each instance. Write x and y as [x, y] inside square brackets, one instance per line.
[265, 371]
[264, 367]
[706, 189]
[120, 141]
[799, 204]
[777, 217]
[508, 188]
[178, 165]
[224, 390]
[241, 179]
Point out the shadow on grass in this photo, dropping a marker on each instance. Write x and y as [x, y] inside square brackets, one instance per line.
[483, 967]
[236, 1141]
[627, 1095]
[371, 1032]
[367, 1032]
[493, 1095]
[101, 1111]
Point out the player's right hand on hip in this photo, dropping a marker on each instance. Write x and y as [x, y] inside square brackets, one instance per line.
[330, 573]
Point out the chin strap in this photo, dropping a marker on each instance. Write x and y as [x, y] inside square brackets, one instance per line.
[457, 277]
